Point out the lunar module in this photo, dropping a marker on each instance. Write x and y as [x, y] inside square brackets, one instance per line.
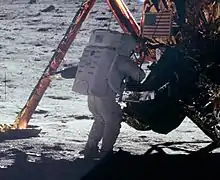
[176, 42]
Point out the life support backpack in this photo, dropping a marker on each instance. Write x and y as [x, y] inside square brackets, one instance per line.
[92, 76]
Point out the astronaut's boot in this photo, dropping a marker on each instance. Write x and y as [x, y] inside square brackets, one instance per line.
[90, 153]
[91, 149]
[111, 132]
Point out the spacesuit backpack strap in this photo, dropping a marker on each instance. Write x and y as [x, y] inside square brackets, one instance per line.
[124, 50]
[116, 77]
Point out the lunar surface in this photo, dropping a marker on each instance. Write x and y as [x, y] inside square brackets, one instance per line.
[28, 38]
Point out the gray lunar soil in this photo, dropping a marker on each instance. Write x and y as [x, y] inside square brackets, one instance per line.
[28, 38]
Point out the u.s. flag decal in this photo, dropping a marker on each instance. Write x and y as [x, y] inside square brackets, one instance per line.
[157, 24]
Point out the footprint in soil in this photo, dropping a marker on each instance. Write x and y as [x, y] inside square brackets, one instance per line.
[43, 29]
[27, 147]
[49, 9]
[59, 97]
[82, 117]
[40, 111]
[56, 148]
[79, 117]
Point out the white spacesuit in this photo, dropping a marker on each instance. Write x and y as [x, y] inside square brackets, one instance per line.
[159, 53]
[104, 65]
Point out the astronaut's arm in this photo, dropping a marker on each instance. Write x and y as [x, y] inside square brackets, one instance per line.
[130, 69]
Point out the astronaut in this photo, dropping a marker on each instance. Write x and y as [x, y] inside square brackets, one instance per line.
[159, 52]
[104, 65]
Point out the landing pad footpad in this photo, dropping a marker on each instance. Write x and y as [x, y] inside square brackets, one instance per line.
[30, 131]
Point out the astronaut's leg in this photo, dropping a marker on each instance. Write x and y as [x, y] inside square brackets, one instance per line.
[96, 132]
[113, 116]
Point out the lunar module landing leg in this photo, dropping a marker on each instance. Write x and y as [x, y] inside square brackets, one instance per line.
[127, 23]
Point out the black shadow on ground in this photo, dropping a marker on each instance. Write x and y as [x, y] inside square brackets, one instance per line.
[121, 165]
